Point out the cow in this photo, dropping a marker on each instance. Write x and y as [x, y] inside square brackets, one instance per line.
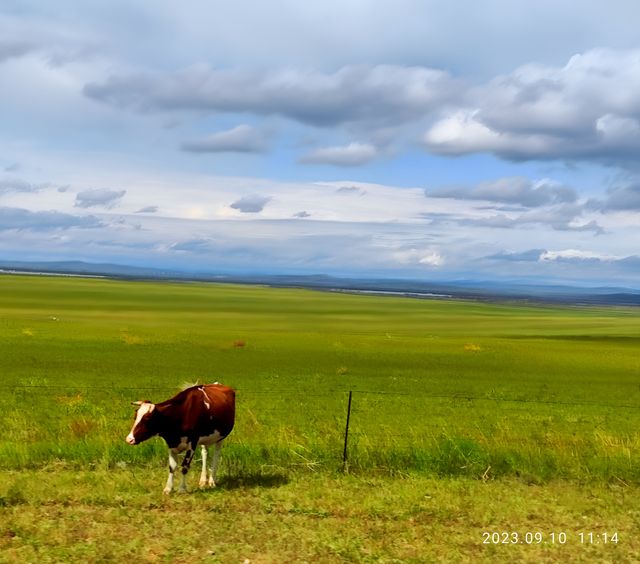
[199, 415]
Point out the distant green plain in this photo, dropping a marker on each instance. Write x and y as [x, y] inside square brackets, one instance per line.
[492, 394]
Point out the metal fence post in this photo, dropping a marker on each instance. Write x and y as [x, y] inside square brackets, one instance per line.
[346, 433]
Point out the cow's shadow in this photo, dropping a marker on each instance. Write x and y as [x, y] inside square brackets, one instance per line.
[248, 481]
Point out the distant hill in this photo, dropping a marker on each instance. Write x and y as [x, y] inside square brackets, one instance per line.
[459, 289]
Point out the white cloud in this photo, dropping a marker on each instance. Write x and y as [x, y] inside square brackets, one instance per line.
[511, 190]
[588, 109]
[575, 254]
[240, 139]
[8, 185]
[251, 204]
[432, 259]
[99, 197]
[21, 219]
[423, 257]
[463, 132]
[353, 154]
[371, 94]
[564, 217]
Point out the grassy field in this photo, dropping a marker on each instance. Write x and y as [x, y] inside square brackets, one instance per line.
[504, 410]
[120, 515]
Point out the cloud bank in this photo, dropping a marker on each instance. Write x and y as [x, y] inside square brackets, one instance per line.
[371, 94]
[546, 112]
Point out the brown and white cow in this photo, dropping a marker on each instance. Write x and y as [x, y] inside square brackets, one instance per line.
[200, 415]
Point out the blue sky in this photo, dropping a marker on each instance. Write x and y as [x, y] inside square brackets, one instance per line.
[421, 139]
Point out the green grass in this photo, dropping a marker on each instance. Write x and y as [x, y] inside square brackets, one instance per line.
[467, 418]
[120, 515]
[441, 387]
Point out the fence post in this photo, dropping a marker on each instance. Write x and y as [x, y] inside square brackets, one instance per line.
[346, 433]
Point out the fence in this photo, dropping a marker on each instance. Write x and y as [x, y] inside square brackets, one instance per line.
[390, 429]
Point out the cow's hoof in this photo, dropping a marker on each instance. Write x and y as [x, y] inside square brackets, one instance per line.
[202, 484]
[166, 491]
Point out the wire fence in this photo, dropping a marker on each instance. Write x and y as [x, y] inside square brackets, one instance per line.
[356, 416]
[329, 392]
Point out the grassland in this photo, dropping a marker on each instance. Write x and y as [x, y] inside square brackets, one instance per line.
[117, 516]
[477, 402]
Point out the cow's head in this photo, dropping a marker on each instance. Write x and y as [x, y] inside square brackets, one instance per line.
[143, 427]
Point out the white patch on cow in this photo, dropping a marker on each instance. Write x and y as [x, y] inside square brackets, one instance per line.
[142, 411]
[173, 464]
[206, 441]
[203, 473]
[211, 479]
[206, 398]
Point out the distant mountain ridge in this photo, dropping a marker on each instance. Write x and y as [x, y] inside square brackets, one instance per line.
[459, 289]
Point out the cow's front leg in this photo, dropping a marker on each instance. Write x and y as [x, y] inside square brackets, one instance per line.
[186, 462]
[173, 464]
[203, 473]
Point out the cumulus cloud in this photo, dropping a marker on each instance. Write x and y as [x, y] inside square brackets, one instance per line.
[353, 154]
[512, 190]
[99, 197]
[26, 220]
[240, 139]
[462, 133]
[422, 257]
[588, 109]
[381, 93]
[250, 204]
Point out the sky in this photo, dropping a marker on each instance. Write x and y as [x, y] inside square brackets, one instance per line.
[431, 140]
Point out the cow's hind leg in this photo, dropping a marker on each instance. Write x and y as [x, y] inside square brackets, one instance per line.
[203, 473]
[215, 459]
[173, 464]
